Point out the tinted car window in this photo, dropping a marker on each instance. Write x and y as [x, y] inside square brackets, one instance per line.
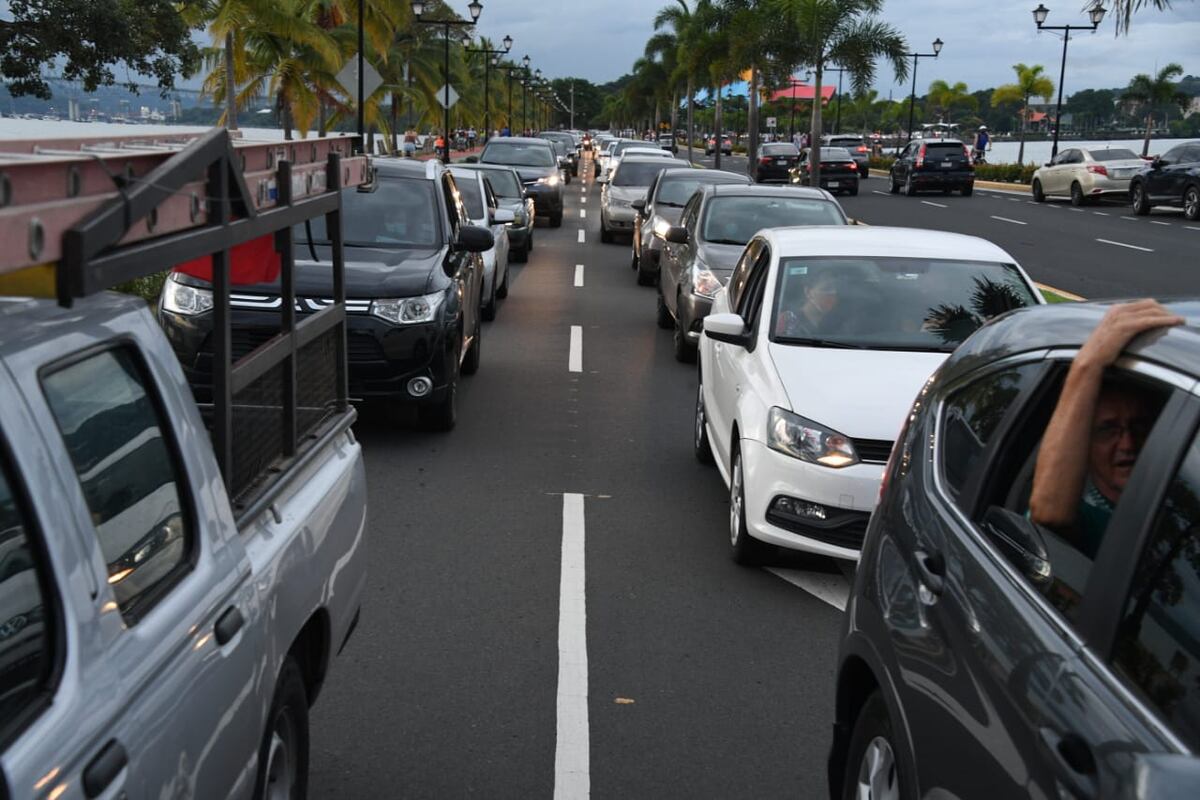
[636, 173]
[733, 220]
[468, 189]
[398, 212]
[1113, 154]
[504, 184]
[675, 190]
[780, 150]
[835, 154]
[26, 655]
[891, 303]
[1158, 641]
[943, 150]
[519, 154]
[114, 436]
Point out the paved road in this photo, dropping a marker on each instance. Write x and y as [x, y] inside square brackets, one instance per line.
[1097, 251]
[699, 678]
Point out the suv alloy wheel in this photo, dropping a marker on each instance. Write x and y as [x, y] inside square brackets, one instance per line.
[1191, 203]
[1141, 201]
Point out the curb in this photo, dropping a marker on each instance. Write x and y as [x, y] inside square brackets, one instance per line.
[1018, 188]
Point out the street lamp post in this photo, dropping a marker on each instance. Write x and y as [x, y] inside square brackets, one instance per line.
[837, 120]
[795, 83]
[1096, 14]
[912, 98]
[418, 8]
[490, 57]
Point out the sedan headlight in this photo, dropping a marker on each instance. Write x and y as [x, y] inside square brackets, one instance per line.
[704, 283]
[804, 439]
[179, 298]
[408, 310]
[549, 180]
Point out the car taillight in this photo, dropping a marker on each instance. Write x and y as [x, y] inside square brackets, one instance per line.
[853, 166]
[764, 160]
[1098, 169]
[862, 148]
[921, 156]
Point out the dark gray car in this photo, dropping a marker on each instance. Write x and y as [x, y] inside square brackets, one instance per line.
[506, 183]
[699, 255]
[986, 656]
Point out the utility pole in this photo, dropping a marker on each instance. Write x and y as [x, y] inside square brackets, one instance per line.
[572, 105]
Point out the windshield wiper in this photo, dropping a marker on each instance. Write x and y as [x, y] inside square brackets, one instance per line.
[725, 241]
[670, 205]
[819, 343]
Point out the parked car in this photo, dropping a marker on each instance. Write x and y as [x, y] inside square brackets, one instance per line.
[984, 655]
[839, 172]
[661, 208]
[715, 226]
[1172, 179]
[506, 184]
[857, 148]
[943, 164]
[775, 163]
[710, 146]
[630, 180]
[567, 148]
[484, 211]
[414, 283]
[1083, 174]
[536, 161]
[668, 142]
[810, 357]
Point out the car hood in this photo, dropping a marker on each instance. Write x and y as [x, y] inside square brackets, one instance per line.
[720, 258]
[670, 213]
[530, 174]
[626, 193]
[863, 394]
[370, 273]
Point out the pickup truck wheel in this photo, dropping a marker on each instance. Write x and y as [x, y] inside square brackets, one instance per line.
[283, 753]
[470, 364]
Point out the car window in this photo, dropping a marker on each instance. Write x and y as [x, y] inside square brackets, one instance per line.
[26, 623]
[943, 150]
[779, 150]
[504, 183]
[741, 273]
[454, 209]
[472, 198]
[396, 212]
[751, 301]
[1113, 154]
[1176, 155]
[676, 189]
[688, 218]
[636, 173]
[734, 219]
[1158, 640]
[1191, 155]
[519, 154]
[113, 431]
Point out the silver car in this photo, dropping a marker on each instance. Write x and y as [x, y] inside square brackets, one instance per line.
[484, 210]
[629, 182]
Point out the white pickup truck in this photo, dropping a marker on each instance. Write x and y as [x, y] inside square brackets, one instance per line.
[169, 608]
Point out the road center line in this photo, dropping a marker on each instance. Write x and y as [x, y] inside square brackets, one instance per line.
[1013, 221]
[1130, 218]
[583, 199]
[579, 274]
[931, 203]
[1122, 244]
[583, 213]
[572, 767]
[575, 359]
[1076, 210]
[833, 589]
[581, 239]
[1156, 222]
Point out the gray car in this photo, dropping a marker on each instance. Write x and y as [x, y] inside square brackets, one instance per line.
[662, 208]
[628, 182]
[536, 161]
[506, 184]
[700, 253]
[984, 655]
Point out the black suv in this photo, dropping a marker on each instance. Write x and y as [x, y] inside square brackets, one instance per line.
[987, 656]
[414, 280]
[564, 144]
[1172, 179]
[943, 164]
[536, 161]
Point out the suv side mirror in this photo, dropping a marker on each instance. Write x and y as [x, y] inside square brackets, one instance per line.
[676, 234]
[727, 328]
[1168, 776]
[474, 239]
[639, 204]
[1022, 543]
[1159, 163]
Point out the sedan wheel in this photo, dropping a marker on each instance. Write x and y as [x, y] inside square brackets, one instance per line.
[1038, 195]
[1077, 198]
[893, 187]
[700, 444]
[1191, 203]
[745, 549]
[872, 771]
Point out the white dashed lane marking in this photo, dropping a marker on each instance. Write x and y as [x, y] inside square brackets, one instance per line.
[582, 240]
[832, 588]
[935, 205]
[575, 358]
[1122, 244]
[572, 763]
[579, 274]
[1013, 221]
[583, 213]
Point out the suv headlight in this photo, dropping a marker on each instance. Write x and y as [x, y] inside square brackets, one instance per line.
[704, 283]
[795, 436]
[408, 310]
[179, 298]
[549, 180]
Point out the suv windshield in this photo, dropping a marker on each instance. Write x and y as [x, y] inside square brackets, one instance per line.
[890, 303]
[676, 191]
[935, 150]
[734, 220]
[835, 154]
[519, 154]
[397, 212]
[637, 173]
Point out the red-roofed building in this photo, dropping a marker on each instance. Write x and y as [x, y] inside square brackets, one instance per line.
[802, 91]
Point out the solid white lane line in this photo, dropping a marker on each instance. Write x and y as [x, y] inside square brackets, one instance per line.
[582, 240]
[572, 767]
[579, 274]
[1130, 218]
[583, 213]
[833, 589]
[1013, 221]
[1122, 244]
[1076, 210]
[1191, 227]
[575, 359]
[931, 203]
[1156, 222]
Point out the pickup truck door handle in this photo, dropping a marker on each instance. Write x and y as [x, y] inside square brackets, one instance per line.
[228, 624]
[1073, 759]
[103, 769]
[932, 569]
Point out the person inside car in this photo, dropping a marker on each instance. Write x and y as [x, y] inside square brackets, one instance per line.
[805, 314]
[1096, 431]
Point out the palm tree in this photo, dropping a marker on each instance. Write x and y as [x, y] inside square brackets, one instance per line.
[1030, 83]
[945, 98]
[1122, 11]
[1156, 93]
[862, 108]
[683, 23]
[848, 32]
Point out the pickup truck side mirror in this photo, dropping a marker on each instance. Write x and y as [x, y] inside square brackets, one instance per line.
[676, 234]
[1022, 543]
[502, 216]
[474, 239]
[727, 328]
[1168, 776]
[639, 204]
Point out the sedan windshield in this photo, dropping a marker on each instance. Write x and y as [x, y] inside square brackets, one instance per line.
[397, 212]
[519, 154]
[734, 220]
[890, 303]
[637, 173]
[504, 183]
[676, 191]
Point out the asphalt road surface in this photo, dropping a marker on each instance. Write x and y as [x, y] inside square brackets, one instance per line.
[1097, 251]
[552, 609]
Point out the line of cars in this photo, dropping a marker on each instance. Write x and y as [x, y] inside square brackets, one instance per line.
[983, 655]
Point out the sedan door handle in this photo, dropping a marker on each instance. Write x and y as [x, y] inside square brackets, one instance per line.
[228, 624]
[104, 768]
[932, 568]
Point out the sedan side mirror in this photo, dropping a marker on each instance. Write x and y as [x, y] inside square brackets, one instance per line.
[472, 159]
[727, 328]
[1169, 776]
[676, 234]
[639, 204]
[1048, 164]
[474, 239]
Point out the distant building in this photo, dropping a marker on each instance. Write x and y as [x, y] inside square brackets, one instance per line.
[1193, 107]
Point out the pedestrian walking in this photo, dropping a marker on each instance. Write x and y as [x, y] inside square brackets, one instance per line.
[410, 143]
[471, 136]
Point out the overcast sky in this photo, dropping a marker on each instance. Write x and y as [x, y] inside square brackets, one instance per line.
[600, 39]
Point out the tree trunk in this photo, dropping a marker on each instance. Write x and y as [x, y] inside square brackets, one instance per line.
[691, 131]
[657, 117]
[230, 86]
[752, 121]
[814, 156]
[395, 123]
[1024, 126]
[1149, 127]
[322, 119]
[717, 132]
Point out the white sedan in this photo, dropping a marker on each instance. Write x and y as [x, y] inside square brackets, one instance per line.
[811, 358]
[1082, 174]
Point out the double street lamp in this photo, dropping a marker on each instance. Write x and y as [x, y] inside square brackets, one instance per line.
[1096, 14]
[912, 98]
[490, 58]
[795, 83]
[418, 8]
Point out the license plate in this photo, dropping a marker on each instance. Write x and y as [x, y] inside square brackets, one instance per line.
[947, 164]
[831, 183]
[781, 161]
